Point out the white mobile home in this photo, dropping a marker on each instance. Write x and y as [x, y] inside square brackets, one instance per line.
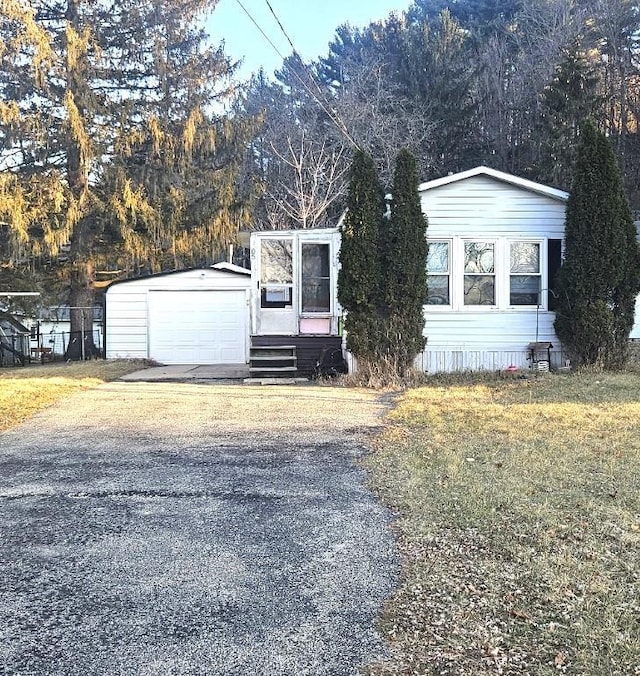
[494, 246]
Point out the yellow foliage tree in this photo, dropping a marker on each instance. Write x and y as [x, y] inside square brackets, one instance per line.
[112, 153]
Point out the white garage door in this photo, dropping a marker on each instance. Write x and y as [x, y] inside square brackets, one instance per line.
[198, 327]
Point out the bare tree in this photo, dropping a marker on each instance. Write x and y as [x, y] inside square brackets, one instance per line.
[316, 179]
[516, 65]
[381, 118]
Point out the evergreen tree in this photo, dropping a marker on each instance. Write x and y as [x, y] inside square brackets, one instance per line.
[359, 275]
[405, 84]
[111, 156]
[600, 275]
[570, 97]
[382, 280]
[404, 267]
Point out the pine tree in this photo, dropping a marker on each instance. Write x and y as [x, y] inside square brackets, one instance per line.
[600, 275]
[570, 96]
[404, 267]
[111, 155]
[359, 275]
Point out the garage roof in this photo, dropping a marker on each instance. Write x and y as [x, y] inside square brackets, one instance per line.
[229, 268]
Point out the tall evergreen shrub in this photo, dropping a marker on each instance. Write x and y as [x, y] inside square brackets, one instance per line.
[600, 275]
[360, 275]
[404, 266]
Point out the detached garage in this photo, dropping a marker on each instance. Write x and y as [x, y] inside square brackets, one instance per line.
[189, 317]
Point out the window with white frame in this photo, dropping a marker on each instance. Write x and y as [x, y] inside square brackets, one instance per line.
[525, 273]
[439, 273]
[276, 273]
[463, 273]
[479, 273]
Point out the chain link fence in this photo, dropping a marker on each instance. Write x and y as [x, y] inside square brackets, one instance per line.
[49, 338]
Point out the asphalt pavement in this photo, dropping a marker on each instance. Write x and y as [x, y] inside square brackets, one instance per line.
[168, 528]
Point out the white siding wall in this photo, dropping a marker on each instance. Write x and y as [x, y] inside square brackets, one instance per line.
[127, 318]
[484, 206]
[475, 338]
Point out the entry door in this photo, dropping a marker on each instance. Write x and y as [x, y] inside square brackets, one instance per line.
[315, 279]
[277, 300]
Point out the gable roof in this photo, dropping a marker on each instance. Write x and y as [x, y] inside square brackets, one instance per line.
[516, 181]
[13, 322]
[228, 268]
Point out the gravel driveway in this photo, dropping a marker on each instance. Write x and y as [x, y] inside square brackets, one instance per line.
[192, 529]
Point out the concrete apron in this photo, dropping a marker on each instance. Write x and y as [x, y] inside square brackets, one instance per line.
[189, 373]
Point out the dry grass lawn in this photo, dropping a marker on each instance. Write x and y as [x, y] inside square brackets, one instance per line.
[26, 390]
[519, 525]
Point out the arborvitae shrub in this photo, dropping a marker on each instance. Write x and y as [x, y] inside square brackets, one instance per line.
[600, 276]
[359, 276]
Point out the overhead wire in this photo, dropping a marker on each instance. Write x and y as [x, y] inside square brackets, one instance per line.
[335, 115]
[284, 32]
[332, 114]
[257, 25]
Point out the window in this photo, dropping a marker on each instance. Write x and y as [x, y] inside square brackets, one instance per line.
[438, 274]
[276, 273]
[479, 273]
[524, 273]
[315, 278]
[499, 272]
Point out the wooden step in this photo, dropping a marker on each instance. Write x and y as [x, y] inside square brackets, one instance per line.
[260, 352]
[275, 372]
[260, 365]
[273, 357]
[273, 347]
[273, 361]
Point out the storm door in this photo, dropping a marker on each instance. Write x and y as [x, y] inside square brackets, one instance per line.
[315, 279]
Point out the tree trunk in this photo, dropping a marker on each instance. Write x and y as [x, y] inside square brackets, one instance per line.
[81, 344]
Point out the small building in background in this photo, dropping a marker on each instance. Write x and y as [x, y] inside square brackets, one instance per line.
[198, 316]
[51, 330]
[15, 341]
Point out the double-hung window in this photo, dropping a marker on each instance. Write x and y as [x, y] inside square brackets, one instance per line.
[525, 273]
[501, 273]
[479, 273]
[439, 273]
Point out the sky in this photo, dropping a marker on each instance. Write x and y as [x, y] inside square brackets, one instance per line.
[311, 25]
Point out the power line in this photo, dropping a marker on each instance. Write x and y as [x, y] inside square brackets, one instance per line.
[255, 23]
[333, 116]
[275, 16]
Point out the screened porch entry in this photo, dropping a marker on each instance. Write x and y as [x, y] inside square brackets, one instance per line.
[297, 279]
